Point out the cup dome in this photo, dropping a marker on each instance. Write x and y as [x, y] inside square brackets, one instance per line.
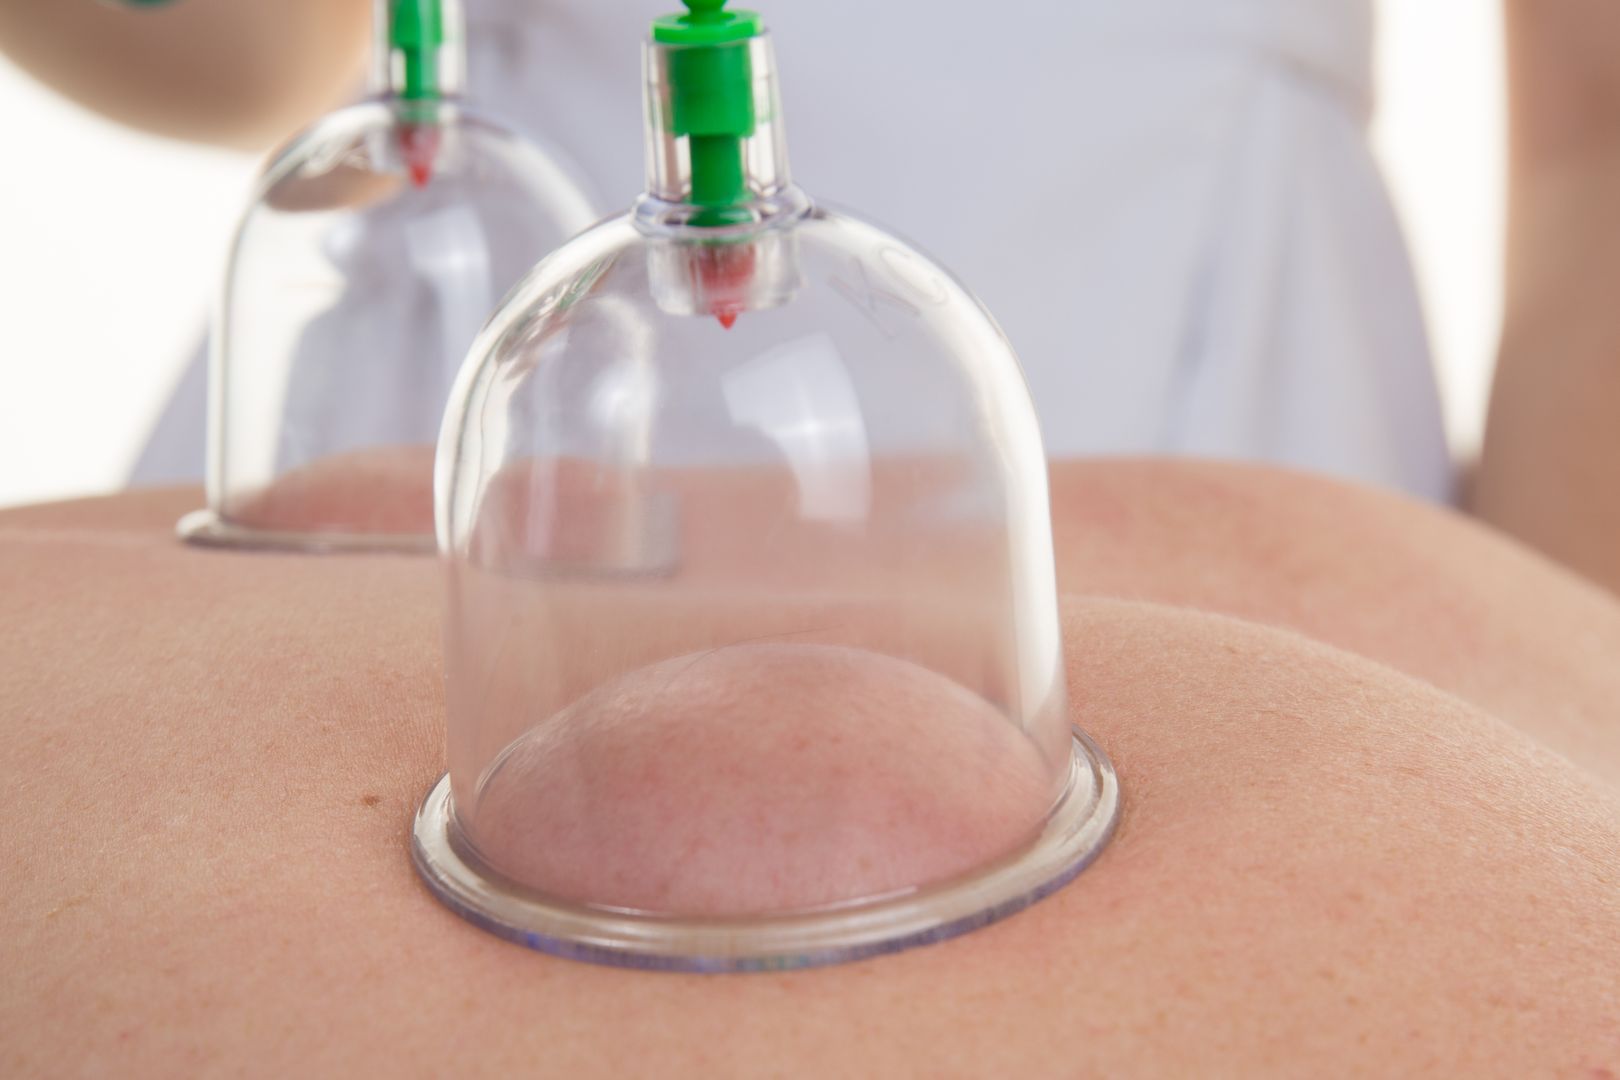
[377, 243]
[752, 646]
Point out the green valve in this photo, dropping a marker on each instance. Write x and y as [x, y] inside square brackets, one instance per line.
[706, 22]
[712, 99]
[416, 29]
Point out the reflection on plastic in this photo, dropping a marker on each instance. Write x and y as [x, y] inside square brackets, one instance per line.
[801, 397]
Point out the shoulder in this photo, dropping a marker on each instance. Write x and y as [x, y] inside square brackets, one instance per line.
[1419, 588]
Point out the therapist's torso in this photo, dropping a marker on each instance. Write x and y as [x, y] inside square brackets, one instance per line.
[1169, 205]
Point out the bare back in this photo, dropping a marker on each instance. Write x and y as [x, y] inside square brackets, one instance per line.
[1380, 835]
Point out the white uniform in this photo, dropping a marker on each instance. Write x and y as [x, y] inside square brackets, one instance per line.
[1169, 205]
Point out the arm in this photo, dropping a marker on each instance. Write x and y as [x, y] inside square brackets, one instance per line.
[240, 72]
[1550, 473]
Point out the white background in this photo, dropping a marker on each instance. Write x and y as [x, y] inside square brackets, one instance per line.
[111, 242]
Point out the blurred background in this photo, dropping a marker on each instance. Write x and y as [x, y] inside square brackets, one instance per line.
[111, 244]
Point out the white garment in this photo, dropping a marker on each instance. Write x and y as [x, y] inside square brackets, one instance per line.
[1169, 205]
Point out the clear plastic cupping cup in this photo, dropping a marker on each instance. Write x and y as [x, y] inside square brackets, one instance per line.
[378, 242]
[753, 656]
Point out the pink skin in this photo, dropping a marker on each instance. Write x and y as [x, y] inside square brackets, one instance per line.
[385, 490]
[766, 725]
[762, 778]
[1326, 867]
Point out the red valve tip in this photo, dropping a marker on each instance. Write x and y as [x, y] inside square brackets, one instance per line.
[420, 143]
[722, 273]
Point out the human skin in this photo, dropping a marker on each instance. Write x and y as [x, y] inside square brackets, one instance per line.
[1548, 473]
[1371, 827]
[238, 72]
[885, 756]
[387, 490]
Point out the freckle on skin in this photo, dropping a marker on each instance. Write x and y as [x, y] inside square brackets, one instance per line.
[370, 800]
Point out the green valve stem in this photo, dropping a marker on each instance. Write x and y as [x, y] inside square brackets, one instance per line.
[418, 43]
[712, 101]
[718, 182]
[416, 31]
